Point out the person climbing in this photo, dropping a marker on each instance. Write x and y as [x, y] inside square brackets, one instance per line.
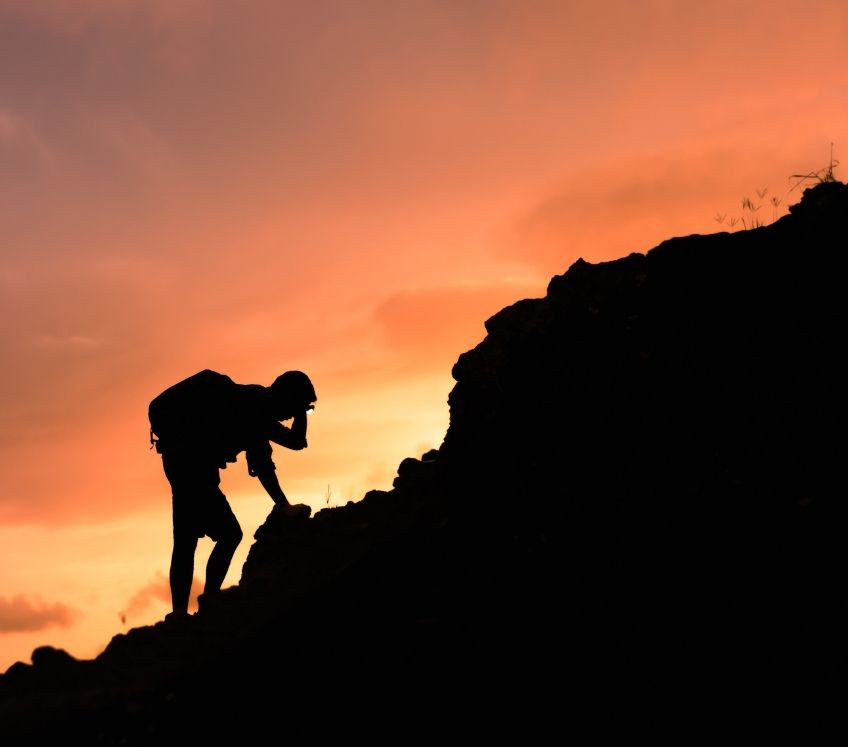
[199, 425]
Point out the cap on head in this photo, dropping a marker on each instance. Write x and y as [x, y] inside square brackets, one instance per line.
[293, 388]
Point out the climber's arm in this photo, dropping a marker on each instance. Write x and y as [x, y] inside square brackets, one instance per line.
[293, 437]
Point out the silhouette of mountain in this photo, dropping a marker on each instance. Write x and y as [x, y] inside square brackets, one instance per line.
[639, 495]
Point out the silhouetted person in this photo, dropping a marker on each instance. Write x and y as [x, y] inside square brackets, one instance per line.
[200, 424]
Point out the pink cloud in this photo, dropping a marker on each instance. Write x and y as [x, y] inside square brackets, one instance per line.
[158, 591]
[21, 613]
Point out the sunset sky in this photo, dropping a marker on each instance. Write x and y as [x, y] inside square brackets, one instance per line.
[345, 188]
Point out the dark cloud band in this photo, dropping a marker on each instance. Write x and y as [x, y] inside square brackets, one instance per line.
[20, 614]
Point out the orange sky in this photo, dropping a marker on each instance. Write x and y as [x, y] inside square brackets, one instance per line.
[348, 188]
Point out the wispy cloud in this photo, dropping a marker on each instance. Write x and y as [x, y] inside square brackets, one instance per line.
[8, 126]
[21, 613]
[73, 18]
[158, 591]
[67, 341]
[633, 204]
[18, 134]
[134, 142]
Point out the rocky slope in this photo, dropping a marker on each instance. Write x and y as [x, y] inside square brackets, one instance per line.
[641, 490]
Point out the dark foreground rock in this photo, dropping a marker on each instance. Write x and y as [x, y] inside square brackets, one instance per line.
[640, 496]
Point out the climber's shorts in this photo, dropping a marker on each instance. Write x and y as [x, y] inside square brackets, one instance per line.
[199, 507]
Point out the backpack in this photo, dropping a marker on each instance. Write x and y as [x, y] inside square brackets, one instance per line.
[189, 411]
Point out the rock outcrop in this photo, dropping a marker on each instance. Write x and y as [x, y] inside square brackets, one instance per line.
[640, 491]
